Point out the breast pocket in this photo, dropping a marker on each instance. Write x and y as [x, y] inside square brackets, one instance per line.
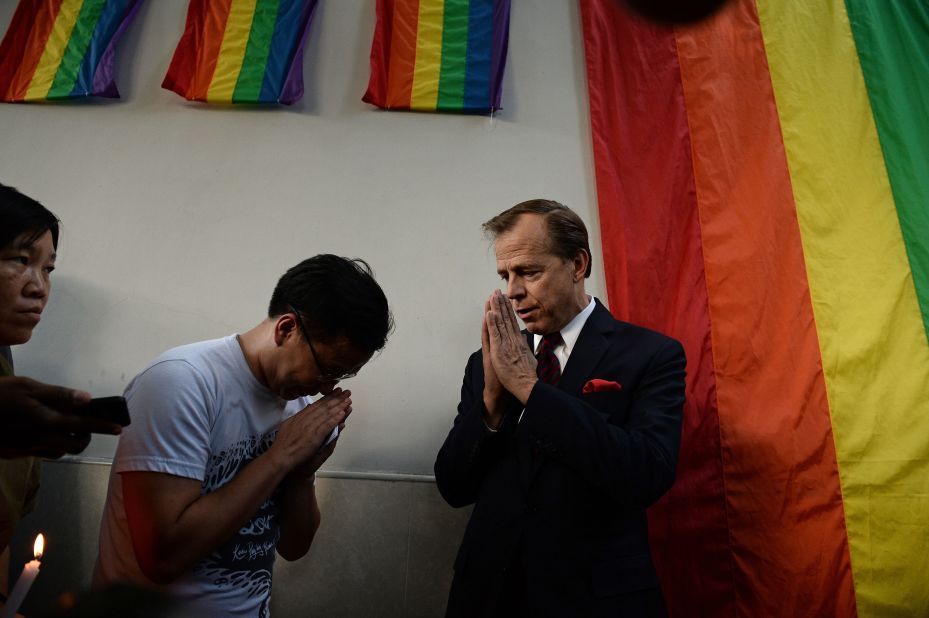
[612, 404]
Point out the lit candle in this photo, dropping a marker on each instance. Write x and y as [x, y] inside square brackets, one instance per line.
[24, 583]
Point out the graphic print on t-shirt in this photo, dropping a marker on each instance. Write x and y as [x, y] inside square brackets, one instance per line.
[247, 558]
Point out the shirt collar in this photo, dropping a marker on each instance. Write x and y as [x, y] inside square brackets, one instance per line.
[572, 330]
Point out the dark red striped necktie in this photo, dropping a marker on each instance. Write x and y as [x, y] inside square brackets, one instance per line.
[548, 368]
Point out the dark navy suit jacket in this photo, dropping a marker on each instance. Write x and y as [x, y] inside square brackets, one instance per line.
[565, 489]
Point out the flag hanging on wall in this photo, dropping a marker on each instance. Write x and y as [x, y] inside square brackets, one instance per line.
[62, 49]
[439, 55]
[242, 51]
[763, 187]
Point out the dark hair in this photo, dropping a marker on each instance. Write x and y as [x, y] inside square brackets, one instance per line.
[567, 232]
[21, 214]
[336, 297]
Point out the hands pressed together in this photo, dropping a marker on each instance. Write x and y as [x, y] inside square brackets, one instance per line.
[509, 364]
[300, 439]
[50, 415]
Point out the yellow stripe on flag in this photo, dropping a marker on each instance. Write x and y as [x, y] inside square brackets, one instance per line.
[47, 68]
[425, 92]
[232, 51]
[874, 349]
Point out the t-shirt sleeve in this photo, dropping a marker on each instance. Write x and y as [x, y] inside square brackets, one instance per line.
[171, 407]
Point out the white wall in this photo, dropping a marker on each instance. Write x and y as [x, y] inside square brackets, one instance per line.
[178, 218]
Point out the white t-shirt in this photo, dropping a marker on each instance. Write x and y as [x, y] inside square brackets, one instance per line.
[198, 412]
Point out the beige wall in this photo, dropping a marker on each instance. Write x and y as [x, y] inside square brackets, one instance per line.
[178, 218]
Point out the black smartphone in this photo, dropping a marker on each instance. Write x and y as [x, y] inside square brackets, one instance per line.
[107, 408]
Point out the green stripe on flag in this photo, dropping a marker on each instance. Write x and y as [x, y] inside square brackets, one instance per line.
[892, 39]
[454, 55]
[74, 53]
[248, 86]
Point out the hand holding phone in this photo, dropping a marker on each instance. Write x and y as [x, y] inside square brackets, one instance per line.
[113, 409]
[45, 420]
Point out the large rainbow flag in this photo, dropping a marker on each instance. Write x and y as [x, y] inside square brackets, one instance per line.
[439, 55]
[241, 51]
[62, 49]
[763, 182]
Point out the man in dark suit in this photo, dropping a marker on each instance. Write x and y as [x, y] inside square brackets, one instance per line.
[564, 435]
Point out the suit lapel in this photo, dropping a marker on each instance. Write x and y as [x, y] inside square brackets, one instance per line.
[590, 347]
[523, 450]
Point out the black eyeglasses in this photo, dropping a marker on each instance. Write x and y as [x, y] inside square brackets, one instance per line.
[324, 374]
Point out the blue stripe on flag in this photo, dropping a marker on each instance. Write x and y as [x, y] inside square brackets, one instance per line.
[477, 70]
[287, 32]
[110, 18]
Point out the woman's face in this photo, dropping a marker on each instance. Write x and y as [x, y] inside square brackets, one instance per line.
[25, 268]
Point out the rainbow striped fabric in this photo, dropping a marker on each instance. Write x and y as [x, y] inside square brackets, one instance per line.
[62, 49]
[242, 51]
[439, 55]
[763, 181]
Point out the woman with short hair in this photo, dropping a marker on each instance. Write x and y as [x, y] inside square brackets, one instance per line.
[35, 418]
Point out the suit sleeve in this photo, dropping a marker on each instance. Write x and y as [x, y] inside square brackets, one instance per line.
[632, 464]
[470, 449]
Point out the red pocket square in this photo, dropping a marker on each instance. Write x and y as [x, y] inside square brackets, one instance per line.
[600, 386]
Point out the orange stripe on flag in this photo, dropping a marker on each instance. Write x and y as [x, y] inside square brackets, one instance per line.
[45, 18]
[786, 518]
[402, 53]
[654, 271]
[214, 28]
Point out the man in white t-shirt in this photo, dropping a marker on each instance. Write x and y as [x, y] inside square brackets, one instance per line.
[216, 472]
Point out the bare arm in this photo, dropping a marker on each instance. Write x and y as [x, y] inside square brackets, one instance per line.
[173, 526]
[300, 516]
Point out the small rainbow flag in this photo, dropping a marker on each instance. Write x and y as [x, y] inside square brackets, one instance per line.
[241, 51]
[439, 55]
[62, 49]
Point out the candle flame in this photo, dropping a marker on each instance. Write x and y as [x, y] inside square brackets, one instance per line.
[38, 546]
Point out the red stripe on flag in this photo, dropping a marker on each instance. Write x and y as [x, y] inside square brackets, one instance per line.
[380, 55]
[27, 37]
[654, 273]
[181, 72]
[402, 53]
[14, 45]
[786, 518]
[211, 29]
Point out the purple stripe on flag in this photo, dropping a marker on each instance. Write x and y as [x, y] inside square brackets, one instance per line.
[104, 84]
[293, 84]
[498, 56]
[109, 20]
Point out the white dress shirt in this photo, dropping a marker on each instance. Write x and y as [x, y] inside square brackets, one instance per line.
[569, 334]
